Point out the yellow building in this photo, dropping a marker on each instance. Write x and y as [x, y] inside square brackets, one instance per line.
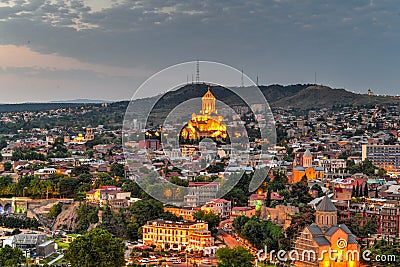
[207, 124]
[307, 169]
[185, 213]
[312, 173]
[325, 243]
[80, 139]
[177, 235]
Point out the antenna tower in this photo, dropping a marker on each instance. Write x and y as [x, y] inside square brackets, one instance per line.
[197, 72]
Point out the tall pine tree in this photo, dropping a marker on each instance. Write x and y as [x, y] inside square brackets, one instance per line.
[366, 190]
[357, 189]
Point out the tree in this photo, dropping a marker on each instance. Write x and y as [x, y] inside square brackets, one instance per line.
[10, 257]
[1, 157]
[143, 211]
[300, 191]
[178, 181]
[81, 169]
[7, 166]
[360, 193]
[353, 191]
[268, 199]
[211, 218]
[96, 248]
[359, 226]
[234, 257]
[68, 187]
[86, 215]
[133, 187]
[299, 221]
[239, 222]
[117, 170]
[318, 189]
[357, 190]
[366, 190]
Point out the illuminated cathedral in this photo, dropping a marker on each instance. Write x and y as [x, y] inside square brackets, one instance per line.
[208, 124]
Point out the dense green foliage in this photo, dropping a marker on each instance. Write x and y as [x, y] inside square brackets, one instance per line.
[16, 222]
[300, 192]
[359, 226]
[387, 250]
[234, 257]
[211, 218]
[87, 215]
[96, 248]
[55, 210]
[298, 223]
[117, 170]
[26, 154]
[128, 222]
[11, 257]
[259, 233]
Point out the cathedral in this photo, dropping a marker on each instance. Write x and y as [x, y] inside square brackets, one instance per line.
[207, 124]
[326, 243]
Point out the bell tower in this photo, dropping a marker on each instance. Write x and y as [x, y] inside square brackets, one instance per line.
[89, 134]
[307, 159]
[326, 214]
[208, 103]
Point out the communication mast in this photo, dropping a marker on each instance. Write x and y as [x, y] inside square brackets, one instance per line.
[197, 72]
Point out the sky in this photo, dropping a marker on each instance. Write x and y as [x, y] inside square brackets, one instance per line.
[104, 49]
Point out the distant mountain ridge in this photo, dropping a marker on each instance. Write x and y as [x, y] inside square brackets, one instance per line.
[82, 101]
[298, 96]
[317, 96]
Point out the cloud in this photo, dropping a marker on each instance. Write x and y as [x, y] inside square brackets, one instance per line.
[12, 56]
[283, 41]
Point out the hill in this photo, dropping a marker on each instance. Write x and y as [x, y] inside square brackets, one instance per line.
[325, 97]
[36, 106]
[300, 97]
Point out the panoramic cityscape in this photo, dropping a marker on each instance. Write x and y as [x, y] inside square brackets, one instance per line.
[121, 147]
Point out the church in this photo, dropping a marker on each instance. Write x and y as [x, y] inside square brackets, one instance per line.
[326, 243]
[306, 168]
[207, 124]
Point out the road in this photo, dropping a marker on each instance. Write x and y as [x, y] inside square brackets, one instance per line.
[56, 259]
[213, 262]
[230, 241]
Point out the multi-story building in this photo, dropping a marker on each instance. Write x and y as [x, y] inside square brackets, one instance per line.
[178, 235]
[246, 211]
[31, 242]
[383, 213]
[105, 194]
[200, 193]
[185, 212]
[222, 207]
[383, 156]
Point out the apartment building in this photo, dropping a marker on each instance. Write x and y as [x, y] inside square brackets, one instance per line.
[178, 236]
[383, 156]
